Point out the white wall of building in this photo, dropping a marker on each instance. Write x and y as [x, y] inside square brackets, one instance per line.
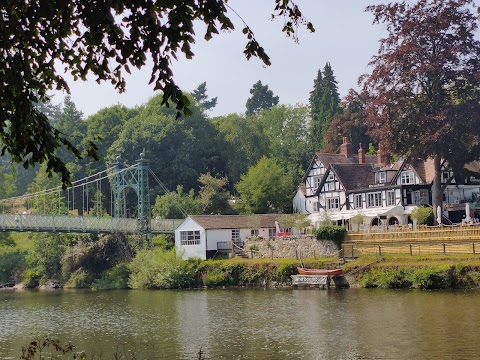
[188, 251]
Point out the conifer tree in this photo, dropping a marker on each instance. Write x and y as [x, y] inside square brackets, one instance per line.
[262, 99]
[324, 101]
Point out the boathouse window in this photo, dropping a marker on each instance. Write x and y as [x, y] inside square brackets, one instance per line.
[390, 197]
[333, 203]
[254, 232]
[358, 201]
[190, 237]
[272, 232]
[407, 177]
[374, 199]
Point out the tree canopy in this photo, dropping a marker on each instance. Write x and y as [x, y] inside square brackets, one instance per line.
[262, 99]
[424, 88]
[42, 39]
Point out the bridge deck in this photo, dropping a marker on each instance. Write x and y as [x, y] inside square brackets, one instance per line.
[82, 224]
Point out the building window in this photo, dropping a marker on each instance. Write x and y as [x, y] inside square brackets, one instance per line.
[316, 206]
[374, 199]
[407, 177]
[190, 237]
[391, 198]
[331, 186]
[358, 201]
[381, 177]
[330, 177]
[316, 182]
[272, 232]
[254, 232]
[236, 235]
[333, 203]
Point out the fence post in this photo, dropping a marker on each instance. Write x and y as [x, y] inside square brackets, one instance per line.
[473, 248]
[411, 254]
[444, 249]
[272, 253]
[380, 250]
[296, 254]
[353, 257]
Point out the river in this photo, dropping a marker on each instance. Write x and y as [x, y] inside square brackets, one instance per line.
[247, 323]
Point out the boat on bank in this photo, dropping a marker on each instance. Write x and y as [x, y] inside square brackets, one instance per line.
[331, 272]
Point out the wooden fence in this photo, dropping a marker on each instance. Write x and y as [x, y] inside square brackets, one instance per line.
[430, 240]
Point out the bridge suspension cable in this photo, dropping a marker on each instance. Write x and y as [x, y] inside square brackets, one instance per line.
[164, 188]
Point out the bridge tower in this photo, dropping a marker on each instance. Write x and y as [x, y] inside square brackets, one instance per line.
[135, 177]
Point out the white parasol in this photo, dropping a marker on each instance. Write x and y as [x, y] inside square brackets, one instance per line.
[439, 215]
[467, 212]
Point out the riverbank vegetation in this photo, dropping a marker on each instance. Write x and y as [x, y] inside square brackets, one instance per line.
[415, 272]
[117, 262]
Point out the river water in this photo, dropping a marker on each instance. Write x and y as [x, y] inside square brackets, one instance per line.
[247, 323]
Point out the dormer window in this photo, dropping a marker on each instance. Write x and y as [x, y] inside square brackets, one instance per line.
[381, 177]
[407, 177]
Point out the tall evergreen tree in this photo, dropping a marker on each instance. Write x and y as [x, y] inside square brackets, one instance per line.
[262, 98]
[315, 99]
[324, 103]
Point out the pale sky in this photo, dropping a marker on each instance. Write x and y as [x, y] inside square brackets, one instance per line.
[344, 36]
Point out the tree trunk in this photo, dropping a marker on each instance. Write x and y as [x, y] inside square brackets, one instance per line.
[437, 193]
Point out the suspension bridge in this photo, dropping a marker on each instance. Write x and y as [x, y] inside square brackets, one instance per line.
[81, 208]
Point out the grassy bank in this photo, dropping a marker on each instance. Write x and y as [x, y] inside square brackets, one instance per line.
[416, 272]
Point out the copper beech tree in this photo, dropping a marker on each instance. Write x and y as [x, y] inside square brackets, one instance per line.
[42, 38]
[424, 87]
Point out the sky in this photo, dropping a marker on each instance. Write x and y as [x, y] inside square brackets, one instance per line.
[344, 37]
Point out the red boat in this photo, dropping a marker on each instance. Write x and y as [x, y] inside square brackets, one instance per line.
[333, 272]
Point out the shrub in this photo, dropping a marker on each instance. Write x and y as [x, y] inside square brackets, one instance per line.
[433, 277]
[115, 278]
[214, 277]
[422, 215]
[11, 264]
[334, 233]
[253, 247]
[162, 270]
[79, 279]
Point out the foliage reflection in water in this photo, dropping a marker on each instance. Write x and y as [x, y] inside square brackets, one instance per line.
[246, 324]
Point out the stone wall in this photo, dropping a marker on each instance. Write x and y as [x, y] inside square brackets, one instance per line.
[304, 246]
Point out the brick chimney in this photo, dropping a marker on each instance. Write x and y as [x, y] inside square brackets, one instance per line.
[346, 148]
[381, 156]
[361, 155]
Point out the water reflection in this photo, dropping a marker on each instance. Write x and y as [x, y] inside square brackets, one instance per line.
[247, 324]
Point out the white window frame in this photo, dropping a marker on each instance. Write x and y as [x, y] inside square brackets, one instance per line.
[382, 177]
[374, 199]
[316, 182]
[330, 177]
[316, 206]
[333, 203]
[190, 237]
[391, 197]
[272, 232]
[254, 232]
[407, 177]
[358, 199]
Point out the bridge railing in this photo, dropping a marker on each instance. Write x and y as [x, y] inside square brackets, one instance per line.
[69, 223]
